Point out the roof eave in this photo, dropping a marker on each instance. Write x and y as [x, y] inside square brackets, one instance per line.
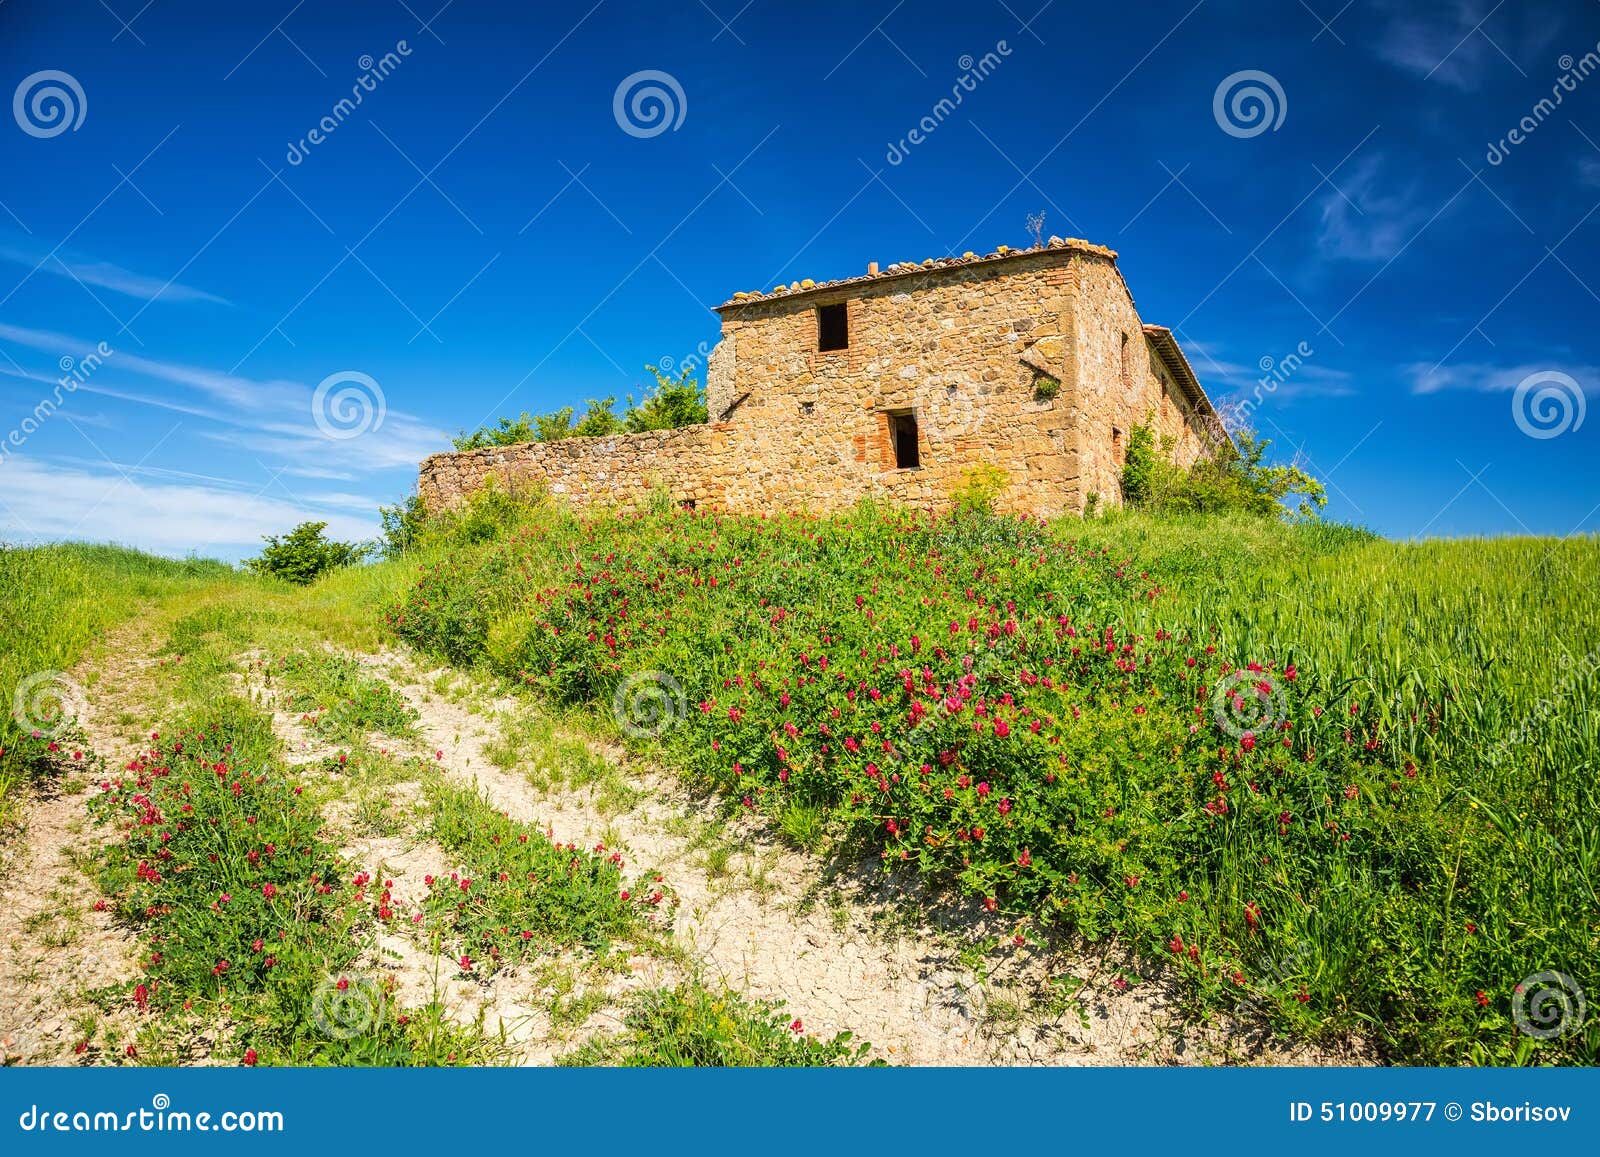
[907, 269]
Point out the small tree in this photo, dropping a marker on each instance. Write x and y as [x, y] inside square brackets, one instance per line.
[403, 524]
[668, 405]
[304, 554]
[598, 421]
[1236, 477]
[509, 432]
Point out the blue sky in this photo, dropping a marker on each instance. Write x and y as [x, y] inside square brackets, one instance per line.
[483, 234]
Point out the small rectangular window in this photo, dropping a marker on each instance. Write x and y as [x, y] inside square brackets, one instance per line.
[903, 441]
[1116, 445]
[833, 327]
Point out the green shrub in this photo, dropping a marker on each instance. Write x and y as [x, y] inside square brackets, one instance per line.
[304, 554]
[1235, 477]
[694, 1026]
[980, 488]
[403, 526]
[668, 404]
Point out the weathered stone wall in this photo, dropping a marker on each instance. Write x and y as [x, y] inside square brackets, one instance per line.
[1122, 383]
[968, 349]
[616, 471]
[946, 347]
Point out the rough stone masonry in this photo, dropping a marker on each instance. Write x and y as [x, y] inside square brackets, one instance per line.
[896, 384]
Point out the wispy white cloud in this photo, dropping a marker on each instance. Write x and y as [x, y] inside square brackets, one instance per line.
[51, 501]
[270, 417]
[1224, 377]
[107, 276]
[1359, 221]
[1589, 171]
[1460, 43]
[1483, 377]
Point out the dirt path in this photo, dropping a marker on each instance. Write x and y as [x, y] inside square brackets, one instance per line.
[841, 950]
[57, 946]
[844, 952]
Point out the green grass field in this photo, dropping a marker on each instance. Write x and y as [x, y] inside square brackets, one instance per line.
[1387, 825]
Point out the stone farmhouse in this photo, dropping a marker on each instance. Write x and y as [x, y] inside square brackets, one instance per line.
[896, 384]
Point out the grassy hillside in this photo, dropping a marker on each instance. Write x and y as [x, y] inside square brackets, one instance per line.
[1332, 780]
[1346, 781]
[54, 601]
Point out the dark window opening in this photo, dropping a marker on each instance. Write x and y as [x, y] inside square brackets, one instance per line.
[903, 441]
[833, 327]
[808, 408]
[1116, 445]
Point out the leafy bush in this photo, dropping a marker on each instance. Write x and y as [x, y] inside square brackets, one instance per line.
[693, 1026]
[1235, 477]
[668, 404]
[304, 554]
[403, 525]
[980, 488]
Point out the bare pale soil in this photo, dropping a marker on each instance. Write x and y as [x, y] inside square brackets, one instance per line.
[839, 943]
